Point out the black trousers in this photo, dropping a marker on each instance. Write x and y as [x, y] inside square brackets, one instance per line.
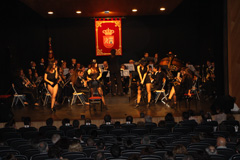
[116, 76]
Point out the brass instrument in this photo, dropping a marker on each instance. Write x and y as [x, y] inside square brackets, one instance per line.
[38, 81]
[27, 82]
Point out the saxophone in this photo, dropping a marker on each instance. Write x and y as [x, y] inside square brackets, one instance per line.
[26, 82]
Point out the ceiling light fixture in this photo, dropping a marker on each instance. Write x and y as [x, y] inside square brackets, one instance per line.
[134, 10]
[78, 12]
[50, 12]
[162, 9]
[106, 12]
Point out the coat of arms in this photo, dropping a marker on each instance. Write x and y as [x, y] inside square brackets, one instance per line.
[108, 39]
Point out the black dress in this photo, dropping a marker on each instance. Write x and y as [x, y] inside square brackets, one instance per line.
[51, 77]
[94, 83]
[142, 72]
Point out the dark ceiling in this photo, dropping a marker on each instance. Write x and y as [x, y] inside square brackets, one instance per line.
[96, 8]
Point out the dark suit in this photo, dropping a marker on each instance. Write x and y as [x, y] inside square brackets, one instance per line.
[158, 80]
[114, 68]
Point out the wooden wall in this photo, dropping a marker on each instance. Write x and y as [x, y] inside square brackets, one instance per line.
[233, 11]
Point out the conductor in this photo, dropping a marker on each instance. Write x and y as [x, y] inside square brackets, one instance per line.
[114, 68]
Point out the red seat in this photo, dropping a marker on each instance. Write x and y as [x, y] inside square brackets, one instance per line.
[4, 96]
[96, 100]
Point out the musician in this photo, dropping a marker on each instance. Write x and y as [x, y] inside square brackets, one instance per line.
[125, 80]
[50, 57]
[74, 63]
[143, 81]
[24, 86]
[106, 78]
[114, 68]
[31, 76]
[184, 87]
[64, 67]
[50, 77]
[156, 59]
[41, 67]
[94, 76]
[157, 77]
[80, 83]
[33, 66]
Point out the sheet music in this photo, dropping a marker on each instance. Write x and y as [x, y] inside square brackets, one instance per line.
[126, 73]
[108, 74]
[130, 67]
[151, 65]
[100, 66]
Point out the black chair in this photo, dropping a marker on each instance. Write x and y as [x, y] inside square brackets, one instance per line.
[11, 135]
[39, 157]
[217, 157]
[150, 157]
[24, 147]
[5, 148]
[224, 134]
[118, 131]
[236, 157]
[231, 145]
[160, 131]
[128, 127]
[30, 134]
[28, 129]
[50, 133]
[9, 141]
[150, 126]
[44, 129]
[179, 156]
[200, 145]
[160, 153]
[89, 150]
[140, 147]
[128, 153]
[3, 153]
[71, 133]
[84, 158]
[185, 143]
[74, 155]
[106, 154]
[87, 128]
[168, 139]
[21, 157]
[211, 141]
[204, 128]
[227, 152]
[4, 130]
[139, 131]
[19, 142]
[30, 152]
[183, 130]
[107, 127]
[231, 123]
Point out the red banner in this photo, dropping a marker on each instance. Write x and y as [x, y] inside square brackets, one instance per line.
[108, 34]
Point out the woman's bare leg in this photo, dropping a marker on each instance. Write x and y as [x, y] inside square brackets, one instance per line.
[148, 87]
[139, 95]
[54, 93]
[172, 92]
[101, 94]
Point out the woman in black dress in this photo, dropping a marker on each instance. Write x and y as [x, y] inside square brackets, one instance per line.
[50, 77]
[144, 80]
[94, 76]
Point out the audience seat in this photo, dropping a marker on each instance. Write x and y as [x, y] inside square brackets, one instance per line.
[74, 155]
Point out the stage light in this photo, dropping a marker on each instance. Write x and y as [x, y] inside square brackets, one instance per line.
[50, 12]
[162, 9]
[106, 12]
[134, 10]
[78, 12]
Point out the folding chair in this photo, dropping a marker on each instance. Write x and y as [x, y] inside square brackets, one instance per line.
[77, 95]
[47, 95]
[162, 91]
[17, 97]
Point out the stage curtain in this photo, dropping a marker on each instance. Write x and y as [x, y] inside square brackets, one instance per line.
[108, 34]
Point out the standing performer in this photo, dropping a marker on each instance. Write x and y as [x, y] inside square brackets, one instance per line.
[114, 68]
[94, 75]
[144, 79]
[50, 77]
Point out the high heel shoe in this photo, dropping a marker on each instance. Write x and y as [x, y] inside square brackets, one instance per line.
[53, 109]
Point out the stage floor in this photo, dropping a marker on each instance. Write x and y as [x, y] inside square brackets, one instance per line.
[118, 107]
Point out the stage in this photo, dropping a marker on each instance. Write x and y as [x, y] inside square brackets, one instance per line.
[118, 107]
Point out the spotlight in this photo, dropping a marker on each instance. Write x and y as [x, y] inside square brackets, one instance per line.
[162, 9]
[78, 12]
[134, 10]
[50, 12]
[106, 12]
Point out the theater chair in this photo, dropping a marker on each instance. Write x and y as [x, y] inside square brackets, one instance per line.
[162, 91]
[78, 95]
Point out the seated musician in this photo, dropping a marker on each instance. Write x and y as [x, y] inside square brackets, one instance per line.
[94, 76]
[24, 86]
[80, 83]
[184, 87]
[30, 75]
